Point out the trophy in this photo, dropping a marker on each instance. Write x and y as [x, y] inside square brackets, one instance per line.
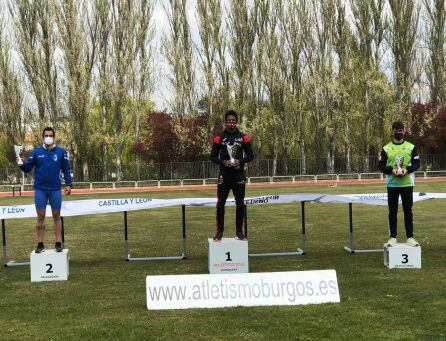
[232, 150]
[399, 165]
[18, 150]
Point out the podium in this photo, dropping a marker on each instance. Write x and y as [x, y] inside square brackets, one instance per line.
[402, 256]
[230, 255]
[49, 266]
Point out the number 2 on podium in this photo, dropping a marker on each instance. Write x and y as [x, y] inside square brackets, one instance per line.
[50, 268]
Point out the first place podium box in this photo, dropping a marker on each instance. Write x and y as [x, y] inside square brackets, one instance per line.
[402, 256]
[49, 266]
[230, 255]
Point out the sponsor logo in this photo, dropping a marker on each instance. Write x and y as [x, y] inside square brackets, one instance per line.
[252, 289]
[261, 200]
[122, 202]
[13, 210]
[55, 157]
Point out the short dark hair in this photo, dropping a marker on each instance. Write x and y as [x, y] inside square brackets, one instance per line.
[397, 125]
[231, 113]
[48, 129]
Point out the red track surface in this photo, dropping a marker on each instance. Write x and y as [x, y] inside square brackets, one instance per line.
[200, 187]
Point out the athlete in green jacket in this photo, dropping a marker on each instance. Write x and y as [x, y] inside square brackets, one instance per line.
[399, 160]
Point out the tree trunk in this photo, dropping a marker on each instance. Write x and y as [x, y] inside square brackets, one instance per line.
[104, 162]
[85, 170]
[118, 161]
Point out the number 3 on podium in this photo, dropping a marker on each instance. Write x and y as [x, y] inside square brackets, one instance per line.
[405, 258]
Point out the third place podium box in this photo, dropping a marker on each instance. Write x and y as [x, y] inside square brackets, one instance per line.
[49, 266]
[230, 255]
[402, 256]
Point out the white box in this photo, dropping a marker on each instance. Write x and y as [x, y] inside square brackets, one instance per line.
[402, 256]
[49, 266]
[230, 255]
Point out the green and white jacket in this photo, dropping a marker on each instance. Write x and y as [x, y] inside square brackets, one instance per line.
[403, 153]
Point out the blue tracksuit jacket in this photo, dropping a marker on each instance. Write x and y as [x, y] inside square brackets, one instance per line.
[48, 168]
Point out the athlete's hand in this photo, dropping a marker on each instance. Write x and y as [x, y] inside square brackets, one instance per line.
[228, 163]
[236, 163]
[395, 172]
[67, 190]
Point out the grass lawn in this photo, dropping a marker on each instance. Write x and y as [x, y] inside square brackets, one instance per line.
[105, 297]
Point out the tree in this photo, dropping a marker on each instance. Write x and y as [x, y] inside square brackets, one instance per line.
[177, 49]
[294, 24]
[320, 59]
[436, 42]
[403, 30]
[12, 117]
[36, 41]
[273, 65]
[242, 32]
[78, 31]
[371, 86]
[123, 37]
[161, 143]
[213, 58]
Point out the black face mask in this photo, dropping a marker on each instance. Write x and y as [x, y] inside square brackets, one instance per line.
[398, 136]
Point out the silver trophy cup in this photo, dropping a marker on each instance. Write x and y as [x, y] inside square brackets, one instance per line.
[399, 165]
[232, 150]
[18, 151]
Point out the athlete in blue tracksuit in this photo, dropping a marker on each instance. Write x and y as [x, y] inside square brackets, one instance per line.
[49, 162]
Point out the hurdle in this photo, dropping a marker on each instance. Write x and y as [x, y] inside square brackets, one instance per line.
[132, 259]
[10, 263]
[6, 262]
[14, 190]
[299, 252]
[350, 248]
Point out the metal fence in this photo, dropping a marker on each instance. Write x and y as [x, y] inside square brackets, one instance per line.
[205, 169]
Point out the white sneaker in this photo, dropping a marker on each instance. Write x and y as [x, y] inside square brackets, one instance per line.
[391, 242]
[412, 242]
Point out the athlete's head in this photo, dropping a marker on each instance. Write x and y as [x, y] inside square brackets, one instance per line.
[48, 135]
[398, 131]
[231, 118]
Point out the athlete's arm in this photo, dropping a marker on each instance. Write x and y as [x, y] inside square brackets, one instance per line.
[414, 161]
[247, 148]
[29, 164]
[382, 165]
[215, 152]
[67, 173]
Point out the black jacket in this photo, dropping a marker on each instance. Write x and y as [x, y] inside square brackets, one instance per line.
[243, 150]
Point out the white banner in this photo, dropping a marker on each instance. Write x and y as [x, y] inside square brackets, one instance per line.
[251, 289]
[97, 206]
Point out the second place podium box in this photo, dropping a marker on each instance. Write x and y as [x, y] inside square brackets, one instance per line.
[49, 266]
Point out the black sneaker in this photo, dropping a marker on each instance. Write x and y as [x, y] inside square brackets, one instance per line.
[40, 247]
[58, 247]
[240, 235]
[218, 236]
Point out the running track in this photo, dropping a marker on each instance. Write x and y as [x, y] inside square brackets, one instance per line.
[321, 183]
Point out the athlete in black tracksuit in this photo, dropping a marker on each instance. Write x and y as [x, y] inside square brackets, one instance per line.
[231, 176]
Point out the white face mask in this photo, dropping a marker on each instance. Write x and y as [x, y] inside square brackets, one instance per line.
[48, 140]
